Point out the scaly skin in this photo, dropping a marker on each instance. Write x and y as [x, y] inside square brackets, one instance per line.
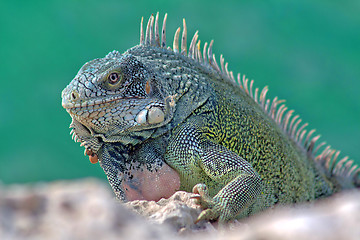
[160, 121]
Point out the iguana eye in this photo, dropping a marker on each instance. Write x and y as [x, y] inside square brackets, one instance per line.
[113, 77]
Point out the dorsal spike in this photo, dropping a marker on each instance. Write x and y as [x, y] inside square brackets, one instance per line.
[302, 135]
[157, 37]
[141, 31]
[280, 117]
[198, 51]
[286, 119]
[292, 123]
[323, 154]
[215, 65]
[331, 164]
[192, 47]
[251, 85]
[152, 37]
[279, 112]
[339, 167]
[256, 95]
[329, 157]
[238, 80]
[176, 40]
[163, 32]
[209, 52]
[222, 60]
[263, 95]
[312, 144]
[245, 84]
[295, 128]
[184, 39]
[273, 106]
[298, 132]
[147, 34]
[266, 107]
[350, 167]
[308, 137]
[227, 70]
[232, 76]
[205, 53]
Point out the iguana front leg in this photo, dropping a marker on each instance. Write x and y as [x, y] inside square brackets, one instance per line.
[241, 183]
[227, 183]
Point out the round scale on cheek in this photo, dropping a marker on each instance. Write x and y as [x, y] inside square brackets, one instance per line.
[155, 115]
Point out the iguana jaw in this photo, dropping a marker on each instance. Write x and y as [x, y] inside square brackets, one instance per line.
[125, 114]
[91, 133]
[69, 102]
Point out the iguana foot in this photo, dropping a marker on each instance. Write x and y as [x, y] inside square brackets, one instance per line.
[212, 208]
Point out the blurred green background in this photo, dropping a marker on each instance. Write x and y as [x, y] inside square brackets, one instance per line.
[308, 52]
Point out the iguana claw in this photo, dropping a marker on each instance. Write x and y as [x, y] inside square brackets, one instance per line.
[196, 197]
[210, 205]
[204, 199]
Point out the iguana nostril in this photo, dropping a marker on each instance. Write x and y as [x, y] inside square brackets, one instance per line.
[74, 96]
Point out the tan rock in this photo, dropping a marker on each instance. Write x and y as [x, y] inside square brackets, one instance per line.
[70, 210]
[86, 209]
[179, 211]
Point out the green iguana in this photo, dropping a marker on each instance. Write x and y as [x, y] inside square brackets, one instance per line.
[161, 120]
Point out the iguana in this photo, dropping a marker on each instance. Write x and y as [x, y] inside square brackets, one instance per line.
[161, 119]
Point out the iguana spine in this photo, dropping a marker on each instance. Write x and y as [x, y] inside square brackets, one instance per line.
[275, 108]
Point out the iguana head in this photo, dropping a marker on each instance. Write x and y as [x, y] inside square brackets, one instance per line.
[112, 97]
[120, 98]
[130, 97]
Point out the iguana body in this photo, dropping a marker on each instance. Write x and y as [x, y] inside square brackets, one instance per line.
[161, 120]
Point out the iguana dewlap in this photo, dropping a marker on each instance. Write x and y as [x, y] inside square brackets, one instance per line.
[161, 119]
[151, 185]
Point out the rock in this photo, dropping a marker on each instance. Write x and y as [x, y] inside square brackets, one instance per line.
[336, 217]
[179, 211]
[86, 209]
[70, 210]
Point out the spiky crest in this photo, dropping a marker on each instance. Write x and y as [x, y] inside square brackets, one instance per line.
[290, 124]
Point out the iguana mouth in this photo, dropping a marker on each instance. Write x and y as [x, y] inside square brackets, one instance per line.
[124, 113]
[94, 103]
[79, 130]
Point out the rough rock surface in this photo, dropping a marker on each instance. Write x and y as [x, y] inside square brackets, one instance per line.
[179, 211]
[70, 210]
[86, 209]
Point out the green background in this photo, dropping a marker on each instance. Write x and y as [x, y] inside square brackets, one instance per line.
[307, 52]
